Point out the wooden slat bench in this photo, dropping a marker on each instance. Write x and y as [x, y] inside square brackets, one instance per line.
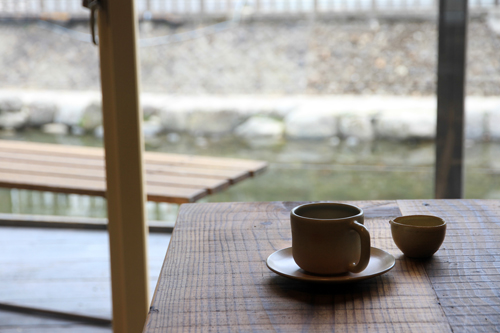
[170, 178]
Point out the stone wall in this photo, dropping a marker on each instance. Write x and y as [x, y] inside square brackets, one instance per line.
[254, 118]
[294, 57]
[339, 79]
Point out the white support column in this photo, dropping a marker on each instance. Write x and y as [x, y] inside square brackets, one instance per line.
[123, 145]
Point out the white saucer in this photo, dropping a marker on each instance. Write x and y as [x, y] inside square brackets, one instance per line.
[281, 262]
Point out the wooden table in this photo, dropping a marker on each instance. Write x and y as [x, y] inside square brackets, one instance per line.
[171, 178]
[215, 279]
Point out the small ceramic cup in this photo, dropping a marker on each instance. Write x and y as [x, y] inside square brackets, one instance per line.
[418, 236]
[329, 238]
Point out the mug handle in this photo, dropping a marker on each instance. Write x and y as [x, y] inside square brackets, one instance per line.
[364, 259]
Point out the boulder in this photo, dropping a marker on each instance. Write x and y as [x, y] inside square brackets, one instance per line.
[55, 128]
[213, 122]
[475, 124]
[261, 127]
[71, 107]
[493, 124]
[76, 130]
[310, 123]
[152, 127]
[13, 120]
[10, 104]
[358, 126]
[173, 119]
[12, 113]
[406, 124]
[41, 113]
[149, 110]
[91, 117]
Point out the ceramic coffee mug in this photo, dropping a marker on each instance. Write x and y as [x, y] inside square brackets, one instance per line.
[329, 238]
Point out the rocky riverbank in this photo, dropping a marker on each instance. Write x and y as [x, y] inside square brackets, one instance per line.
[353, 79]
[253, 118]
[363, 56]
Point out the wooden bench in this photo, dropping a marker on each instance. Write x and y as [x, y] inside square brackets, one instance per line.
[170, 178]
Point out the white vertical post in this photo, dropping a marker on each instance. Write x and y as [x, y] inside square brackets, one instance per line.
[123, 145]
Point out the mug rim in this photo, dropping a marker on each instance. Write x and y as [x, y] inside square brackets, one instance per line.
[327, 203]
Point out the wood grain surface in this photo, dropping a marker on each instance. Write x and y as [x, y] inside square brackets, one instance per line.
[215, 279]
[465, 272]
[80, 170]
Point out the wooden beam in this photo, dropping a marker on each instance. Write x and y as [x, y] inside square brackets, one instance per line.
[123, 145]
[73, 317]
[72, 222]
[449, 172]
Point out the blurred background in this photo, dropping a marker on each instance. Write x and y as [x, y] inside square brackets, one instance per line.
[338, 96]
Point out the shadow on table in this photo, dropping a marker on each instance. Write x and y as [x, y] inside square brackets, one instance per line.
[318, 293]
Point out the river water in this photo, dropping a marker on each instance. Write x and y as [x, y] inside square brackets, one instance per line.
[298, 171]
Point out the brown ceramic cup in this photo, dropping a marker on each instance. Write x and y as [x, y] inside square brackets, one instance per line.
[329, 238]
[418, 236]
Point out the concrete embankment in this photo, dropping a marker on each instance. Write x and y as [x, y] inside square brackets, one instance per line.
[346, 117]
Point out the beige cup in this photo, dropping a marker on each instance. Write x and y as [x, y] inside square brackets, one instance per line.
[418, 236]
[329, 238]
